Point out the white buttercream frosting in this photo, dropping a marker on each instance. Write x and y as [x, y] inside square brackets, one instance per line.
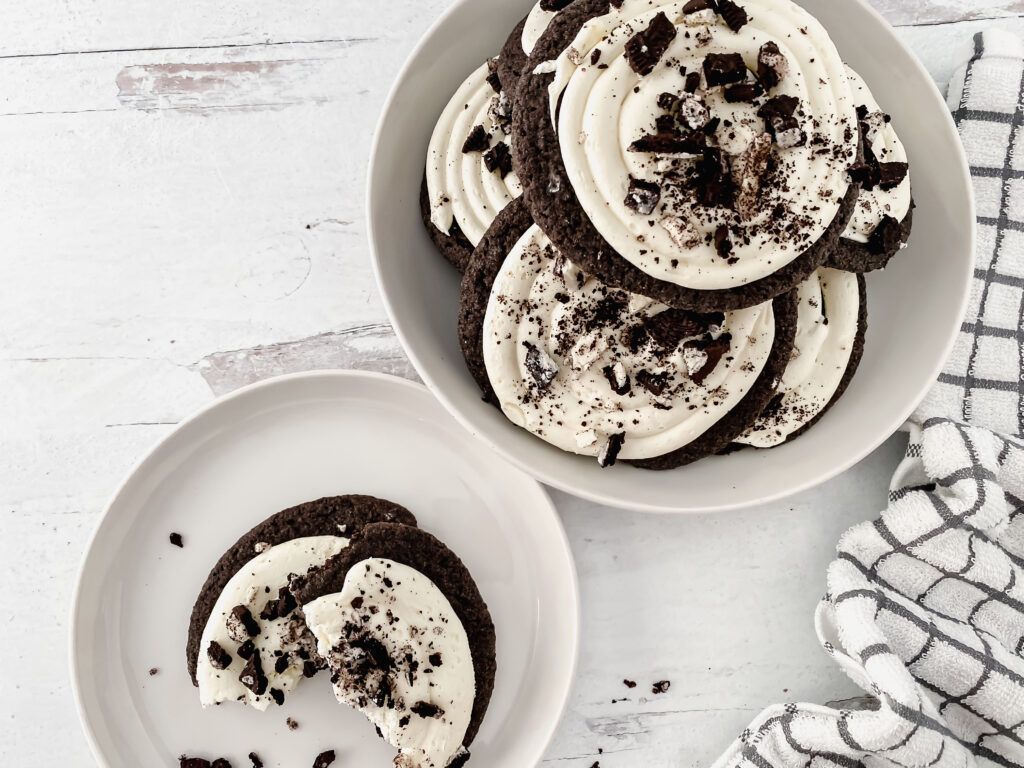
[536, 23]
[874, 204]
[399, 653]
[558, 344]
[605, 106]
[253, 586]
[827, 323]
[460, 188]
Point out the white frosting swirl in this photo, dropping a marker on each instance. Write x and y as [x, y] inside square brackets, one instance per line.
[460, 188]
[874, 204]
[545, 323]
[403, 613]
[827, 323]
[606, 106]
[253, 586]
[536, 23]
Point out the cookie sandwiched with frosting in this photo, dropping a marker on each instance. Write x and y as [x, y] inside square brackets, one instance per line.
[694, 152]
[831, 323]
[408, 640]
[515, 53]
[469, 175]
[883, 216]
[247, 640]
[601, 372]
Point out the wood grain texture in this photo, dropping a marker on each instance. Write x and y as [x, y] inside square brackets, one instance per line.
[181, 213]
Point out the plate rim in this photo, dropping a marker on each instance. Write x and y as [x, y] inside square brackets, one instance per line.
[539, 473]
[74, 623]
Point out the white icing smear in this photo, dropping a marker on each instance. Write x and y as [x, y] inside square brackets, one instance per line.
[460, 188]
[536, 23]
[558, 343]
[827, 323]
[606, 106]
[874, 204]
[399, 653]
[253, 586]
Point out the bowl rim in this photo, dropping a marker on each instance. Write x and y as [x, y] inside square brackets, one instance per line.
[549, 478]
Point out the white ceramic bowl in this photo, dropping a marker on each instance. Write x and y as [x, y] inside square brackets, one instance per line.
[915, 306]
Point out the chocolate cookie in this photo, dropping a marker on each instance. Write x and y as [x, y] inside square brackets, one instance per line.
[479, 279]
[512, 59]
[469, 141]
[771, 428]
[885, 242]
[454, 245]
[554, 203]
[427, 555]
[329, 516]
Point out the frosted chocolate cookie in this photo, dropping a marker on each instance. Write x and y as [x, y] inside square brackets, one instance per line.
[598, 371]
[883, 215]
[520, 44]
[246, 639]
[469, 176]
[694, 152]
[831, 323]
[408, 639]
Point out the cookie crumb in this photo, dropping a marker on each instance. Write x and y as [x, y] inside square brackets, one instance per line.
[292, 724]
[255, 760]
[629, 683]
[176, 540]
[661, 686]
[153, 671]
[324, 759]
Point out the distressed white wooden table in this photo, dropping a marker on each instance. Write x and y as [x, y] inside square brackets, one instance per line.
[181, 197]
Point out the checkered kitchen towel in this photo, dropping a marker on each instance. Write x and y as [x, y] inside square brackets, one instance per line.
[925, 606]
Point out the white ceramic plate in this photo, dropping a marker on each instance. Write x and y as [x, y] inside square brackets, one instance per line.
[915, 307]
[268, 447]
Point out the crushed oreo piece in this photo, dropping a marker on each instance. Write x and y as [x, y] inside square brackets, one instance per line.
[670, 327]
[277, 695]
[629, 683]
[778, 106]
[787, 132]
[887, 236]
[610, 450]
[733, 15]
[219, 658]
[221, 762]
[255, 760]
[661, 686]
[692, 82]
[477, 141]
[723, 244]
[693, 112]
[241, 625]
[193, 762]
[668, 101]
[696, 6]
[494, 80]
[281, 663]
[724, 69]
[715, 349]
[426, 710]
[891, 175]
[714, 185]
[176, 540]
[642, 196]
[540, 365]
[617, 377]
[246, 649]
[681, 232]
[772, 65]
[498, 159]
[655, 383]
[743, 92]
[645, 48]
[308, 668]
[434, 659]
[252, 676]
[324, 759]
[554, 6]
[291, 723]
[747, 171]
[671, 143]
[462, 756]
[154, 671]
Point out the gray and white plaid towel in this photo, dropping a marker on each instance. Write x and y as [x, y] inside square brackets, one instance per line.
[925, 606]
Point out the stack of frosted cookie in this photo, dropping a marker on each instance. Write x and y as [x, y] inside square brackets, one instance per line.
[663, 212]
